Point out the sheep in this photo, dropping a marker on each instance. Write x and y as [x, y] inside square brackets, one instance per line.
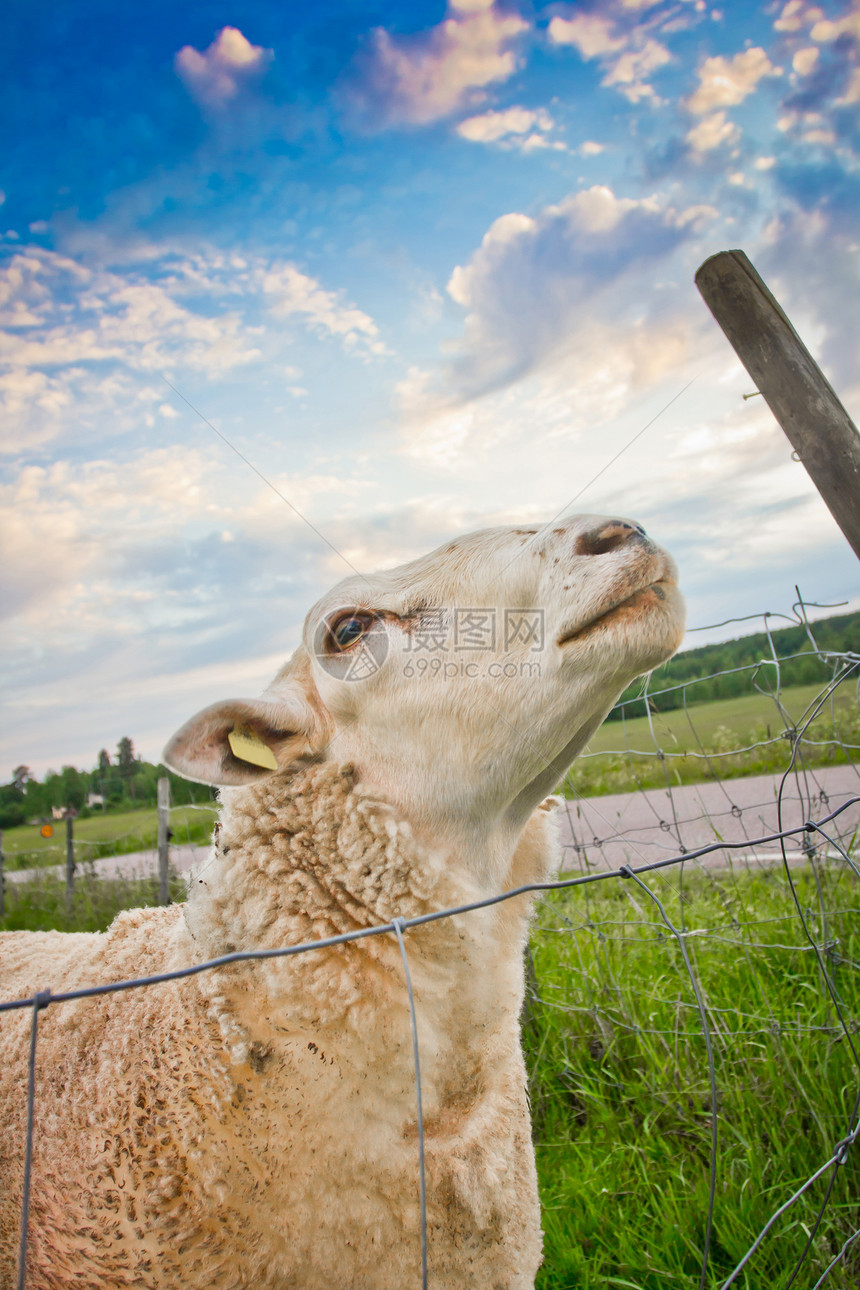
[255, 1125]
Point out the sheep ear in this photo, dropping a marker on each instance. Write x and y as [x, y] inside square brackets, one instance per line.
[240, 741]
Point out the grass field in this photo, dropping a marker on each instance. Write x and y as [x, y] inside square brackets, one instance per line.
[620, 1090]
[40, 905]
[679, 729]
[723, 732]
[104, 835]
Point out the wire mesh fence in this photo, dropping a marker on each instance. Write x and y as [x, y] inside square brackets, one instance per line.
[693, 998]
[102, 837]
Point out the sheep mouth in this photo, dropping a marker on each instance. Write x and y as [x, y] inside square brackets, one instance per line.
[640, 601]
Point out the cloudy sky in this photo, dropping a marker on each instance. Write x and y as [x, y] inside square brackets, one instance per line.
[426, 269]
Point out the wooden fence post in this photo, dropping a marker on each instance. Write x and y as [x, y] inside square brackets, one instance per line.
[70, 862]
[163, 840]
[793, 385]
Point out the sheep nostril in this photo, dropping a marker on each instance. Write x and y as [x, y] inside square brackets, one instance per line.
[608, 538]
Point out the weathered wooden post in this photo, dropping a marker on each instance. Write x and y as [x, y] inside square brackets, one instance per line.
[163, 840]
[70, 862]
[793, 385]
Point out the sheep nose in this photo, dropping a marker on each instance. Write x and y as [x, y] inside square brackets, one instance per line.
[609, 536]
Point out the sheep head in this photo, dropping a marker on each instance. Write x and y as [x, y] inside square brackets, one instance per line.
[464, 683]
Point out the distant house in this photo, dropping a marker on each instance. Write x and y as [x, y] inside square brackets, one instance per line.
[63, 812]
[95, 799]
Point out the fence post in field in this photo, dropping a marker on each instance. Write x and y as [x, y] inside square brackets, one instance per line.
[793, 385]
[163, 840]
[2, 880]
[70, 862]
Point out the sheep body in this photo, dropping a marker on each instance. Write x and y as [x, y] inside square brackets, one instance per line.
[256, 1125]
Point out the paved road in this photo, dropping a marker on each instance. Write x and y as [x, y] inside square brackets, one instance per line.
[633, 828]
[637, 828]
[137, 864]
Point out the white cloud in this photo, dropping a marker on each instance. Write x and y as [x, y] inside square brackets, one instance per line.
[711, 132]
[77, 341]
[825, 31]
[824, 137]
[492, 127]
[590, 148]
[852, 91]
[630, 70]
[215, 77]
[106, 548]
[628, 54]
[725, 82]
[791, 17]
[292, 292]
[592, 35]
[525, 290]
[63, 527]
[596, 371]
[414, 80]
[116, 318]
[805, 60]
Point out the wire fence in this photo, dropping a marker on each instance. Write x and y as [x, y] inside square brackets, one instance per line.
[94, 839]
[701, 939]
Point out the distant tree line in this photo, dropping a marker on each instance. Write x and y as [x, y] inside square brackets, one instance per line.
[123, 782]
[839, 634]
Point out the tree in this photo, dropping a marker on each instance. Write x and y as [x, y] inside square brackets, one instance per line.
[74, 787]
[104, 761]
[20, 775]
[125, 757]
[12, 808]
[127, 763]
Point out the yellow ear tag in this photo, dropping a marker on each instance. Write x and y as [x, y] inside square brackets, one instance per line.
[247, 746]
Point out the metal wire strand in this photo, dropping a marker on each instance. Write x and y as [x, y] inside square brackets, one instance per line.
[712, 1074]
[40, 1000]
[398, 924]
[838, 1157]
[832, 1264]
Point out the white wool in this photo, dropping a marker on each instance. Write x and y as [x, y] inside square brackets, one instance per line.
[255, 1125]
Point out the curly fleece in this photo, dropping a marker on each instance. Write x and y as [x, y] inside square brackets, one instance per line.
[255, 1126]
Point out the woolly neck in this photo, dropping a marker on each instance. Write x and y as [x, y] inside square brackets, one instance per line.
[309, 853]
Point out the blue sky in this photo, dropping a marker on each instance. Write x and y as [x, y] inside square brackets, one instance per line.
[426, 268]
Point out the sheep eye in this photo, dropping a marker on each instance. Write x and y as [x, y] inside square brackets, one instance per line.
[346, 631]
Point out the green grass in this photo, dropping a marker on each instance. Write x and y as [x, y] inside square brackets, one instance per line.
[725, 730]
[620, 1091]
[40, 905]
[105, 835]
